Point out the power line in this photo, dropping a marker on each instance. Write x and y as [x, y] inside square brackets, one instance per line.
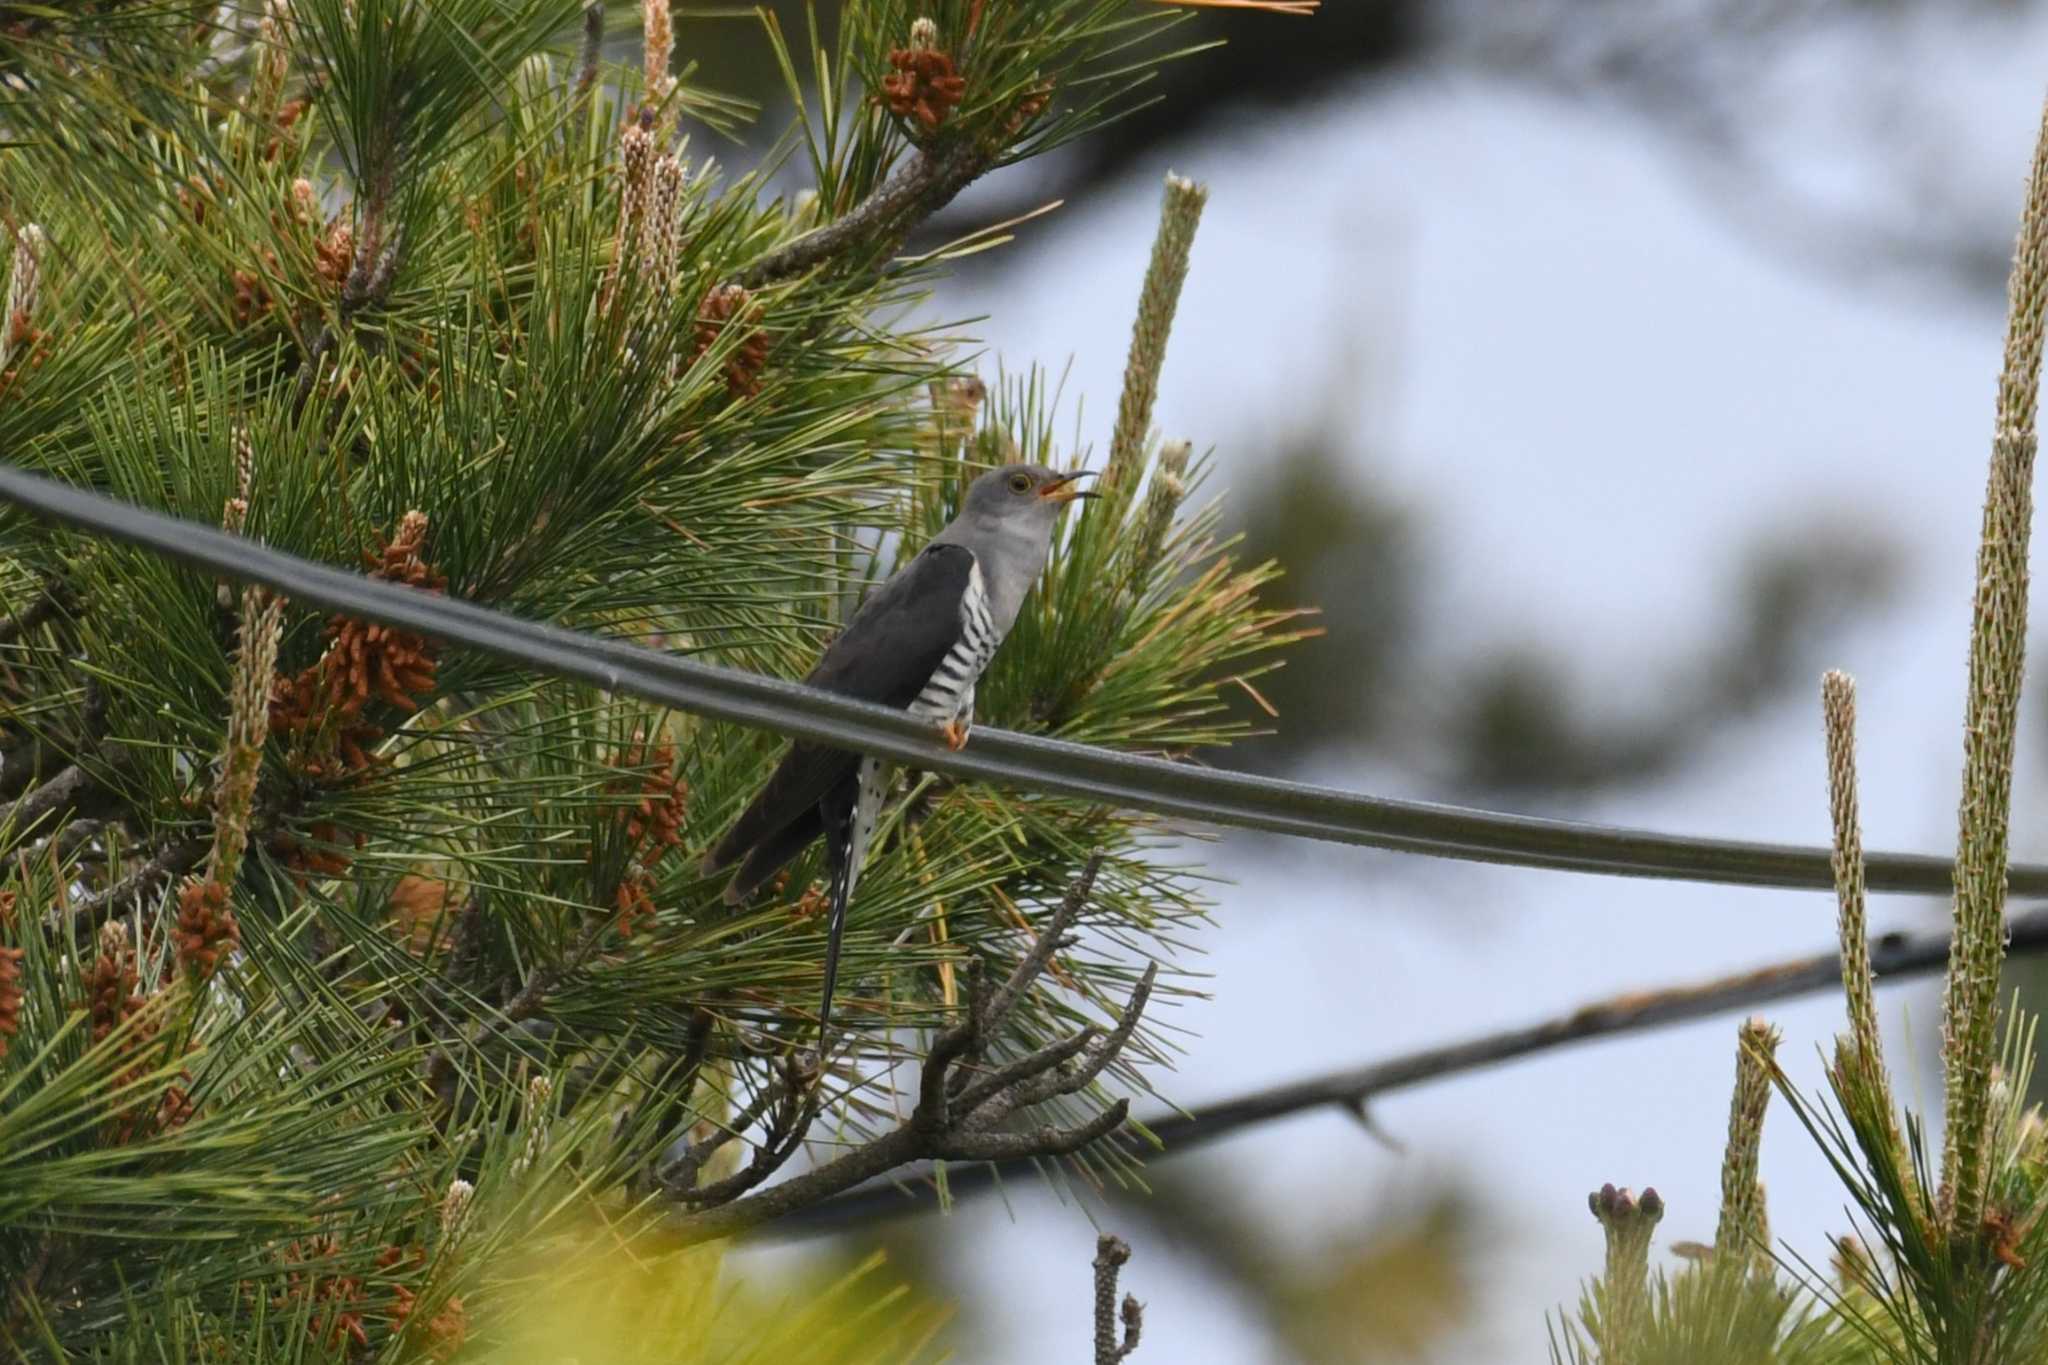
[1894, 957]
[1179, 790]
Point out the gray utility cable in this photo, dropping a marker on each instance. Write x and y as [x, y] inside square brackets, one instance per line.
[1181, 790]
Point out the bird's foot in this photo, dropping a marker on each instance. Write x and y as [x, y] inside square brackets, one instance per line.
[954, 732]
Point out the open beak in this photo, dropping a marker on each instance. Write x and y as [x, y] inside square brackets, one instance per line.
[1062, 489]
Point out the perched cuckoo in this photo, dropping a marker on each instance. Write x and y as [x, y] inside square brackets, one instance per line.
[918, 642]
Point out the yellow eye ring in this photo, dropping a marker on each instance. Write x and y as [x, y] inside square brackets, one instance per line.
[1020, 483]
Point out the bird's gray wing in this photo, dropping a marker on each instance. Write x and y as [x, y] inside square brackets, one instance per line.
[886, 654]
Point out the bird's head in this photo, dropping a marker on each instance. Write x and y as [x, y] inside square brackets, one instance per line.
[1022, 495]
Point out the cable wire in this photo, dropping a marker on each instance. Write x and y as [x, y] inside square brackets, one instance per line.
[1182, 791]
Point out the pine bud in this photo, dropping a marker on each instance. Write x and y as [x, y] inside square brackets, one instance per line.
[661, 237]
[1742, 1228]
[658, 49]
[538, 1092]
[1162, 502]
[636, 167]
[234, 514]
[255, 665]
[273, 59]
[455, 1207]
[24, 282]
[1628, 1223]
[1180, 212]
[305, 202]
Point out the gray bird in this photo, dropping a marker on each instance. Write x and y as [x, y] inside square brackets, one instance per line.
[919, 642]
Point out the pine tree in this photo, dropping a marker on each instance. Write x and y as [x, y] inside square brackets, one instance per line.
[357, 993]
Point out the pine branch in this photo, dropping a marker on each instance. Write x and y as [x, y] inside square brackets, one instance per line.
[581, 464]
[1032, 762]
[883, 220]
[1894, 956]
[59, 792]
[951, 1121]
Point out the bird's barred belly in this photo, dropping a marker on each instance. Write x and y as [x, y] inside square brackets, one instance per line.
[950, 692]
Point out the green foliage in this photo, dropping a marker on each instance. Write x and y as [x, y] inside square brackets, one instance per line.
[378, 280]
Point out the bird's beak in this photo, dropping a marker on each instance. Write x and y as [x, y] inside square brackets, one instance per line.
[1062, 489]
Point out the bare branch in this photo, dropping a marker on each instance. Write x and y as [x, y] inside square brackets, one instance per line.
[1072, 1076]
[1031, 1064]
[1050, 940]
[1893, 957]
[971, 1145]
[797, 1110]
[56, 794]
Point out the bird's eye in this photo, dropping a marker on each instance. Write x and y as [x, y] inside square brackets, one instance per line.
[1020, 483]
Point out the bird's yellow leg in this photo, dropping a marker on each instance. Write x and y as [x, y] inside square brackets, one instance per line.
[954, 732]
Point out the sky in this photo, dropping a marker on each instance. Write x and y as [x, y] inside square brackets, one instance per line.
[1596, 388]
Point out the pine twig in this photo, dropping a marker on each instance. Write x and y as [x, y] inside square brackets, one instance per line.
[1111, 1255]
[533, 995]
[670, 1091]
[791, 1105]
[369, 280]
[520, 1017]
[23, 1295]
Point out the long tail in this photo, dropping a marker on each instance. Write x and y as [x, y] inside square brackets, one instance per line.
[846, 848]
[842, 892]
